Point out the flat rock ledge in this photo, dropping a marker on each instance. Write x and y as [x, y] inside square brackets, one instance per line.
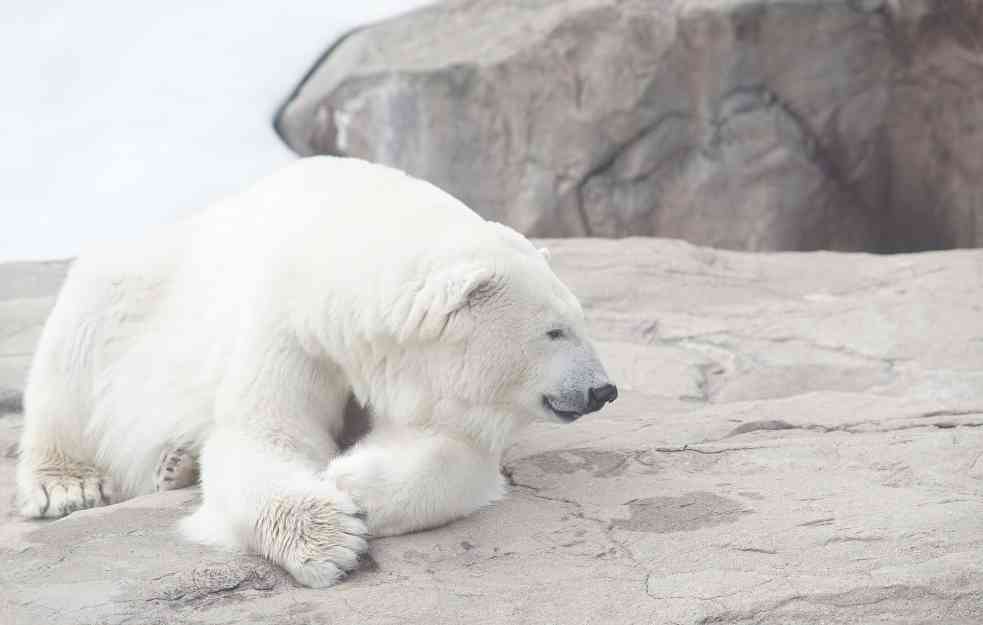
[799, 441]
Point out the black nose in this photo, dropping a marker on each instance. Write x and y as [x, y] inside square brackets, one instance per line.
[597, 397]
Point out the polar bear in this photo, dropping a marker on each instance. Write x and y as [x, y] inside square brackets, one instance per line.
[244, 330]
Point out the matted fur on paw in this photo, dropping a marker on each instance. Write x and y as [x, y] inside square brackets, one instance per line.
[317, 540]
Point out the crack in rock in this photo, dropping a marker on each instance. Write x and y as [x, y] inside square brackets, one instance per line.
[904, 595]
[697, 450]
[773, 425]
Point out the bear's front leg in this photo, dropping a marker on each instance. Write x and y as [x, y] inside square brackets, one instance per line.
[277, 416]
[262, 495]
[318, 536]
[407, 480]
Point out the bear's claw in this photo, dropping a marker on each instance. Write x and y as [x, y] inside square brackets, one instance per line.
[58, 493]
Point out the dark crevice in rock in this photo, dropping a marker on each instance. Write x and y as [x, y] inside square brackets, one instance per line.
[697, 450]
[606, 165]
[856, 427]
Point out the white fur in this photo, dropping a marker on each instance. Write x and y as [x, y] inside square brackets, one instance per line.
[242, 332]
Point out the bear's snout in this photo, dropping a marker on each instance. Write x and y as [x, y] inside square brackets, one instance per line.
[599, 396]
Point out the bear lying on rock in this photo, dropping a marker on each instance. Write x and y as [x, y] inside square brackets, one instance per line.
[240, 334]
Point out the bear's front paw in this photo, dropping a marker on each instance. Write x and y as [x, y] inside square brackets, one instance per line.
[318, 540]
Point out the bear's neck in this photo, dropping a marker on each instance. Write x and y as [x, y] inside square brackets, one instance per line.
[487, 428]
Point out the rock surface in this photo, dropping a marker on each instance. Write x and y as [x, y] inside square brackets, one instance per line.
[798, 441]
[26, 295]
[741, 124]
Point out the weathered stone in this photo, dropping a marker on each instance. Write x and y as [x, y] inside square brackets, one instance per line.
[799, 440]
[743, 124]
[26, 295]
[10, 401]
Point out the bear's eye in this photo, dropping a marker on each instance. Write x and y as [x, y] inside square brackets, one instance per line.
[555, 334]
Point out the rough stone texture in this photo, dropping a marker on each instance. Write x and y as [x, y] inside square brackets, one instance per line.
[798, 441]
[26, 295]
[741, 124]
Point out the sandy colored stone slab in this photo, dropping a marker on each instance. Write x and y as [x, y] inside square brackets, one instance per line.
[799, 440]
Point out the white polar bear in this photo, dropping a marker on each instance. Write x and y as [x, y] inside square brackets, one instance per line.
[244, 330]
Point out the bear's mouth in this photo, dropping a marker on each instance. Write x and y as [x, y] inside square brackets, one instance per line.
[564, 415]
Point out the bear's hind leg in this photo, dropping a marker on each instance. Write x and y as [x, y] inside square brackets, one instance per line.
[51, 485]
[56, 474]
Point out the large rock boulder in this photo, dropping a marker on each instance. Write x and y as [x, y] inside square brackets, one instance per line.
[743, 124]
[799, 440]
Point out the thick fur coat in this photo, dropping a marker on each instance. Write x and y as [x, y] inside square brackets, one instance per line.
[240, 334]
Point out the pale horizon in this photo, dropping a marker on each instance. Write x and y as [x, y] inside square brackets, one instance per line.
[122, 116]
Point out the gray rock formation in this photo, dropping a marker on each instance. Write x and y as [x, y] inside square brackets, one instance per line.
[798, 442]
[742, 124]
[26, 295]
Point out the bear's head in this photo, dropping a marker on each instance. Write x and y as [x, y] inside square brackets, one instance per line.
[506, 337]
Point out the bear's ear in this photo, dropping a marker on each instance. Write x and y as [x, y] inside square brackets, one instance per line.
[445, 292]
[466, 286]
[545, 253]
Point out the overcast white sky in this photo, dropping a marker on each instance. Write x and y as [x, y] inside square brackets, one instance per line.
[116, 115]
